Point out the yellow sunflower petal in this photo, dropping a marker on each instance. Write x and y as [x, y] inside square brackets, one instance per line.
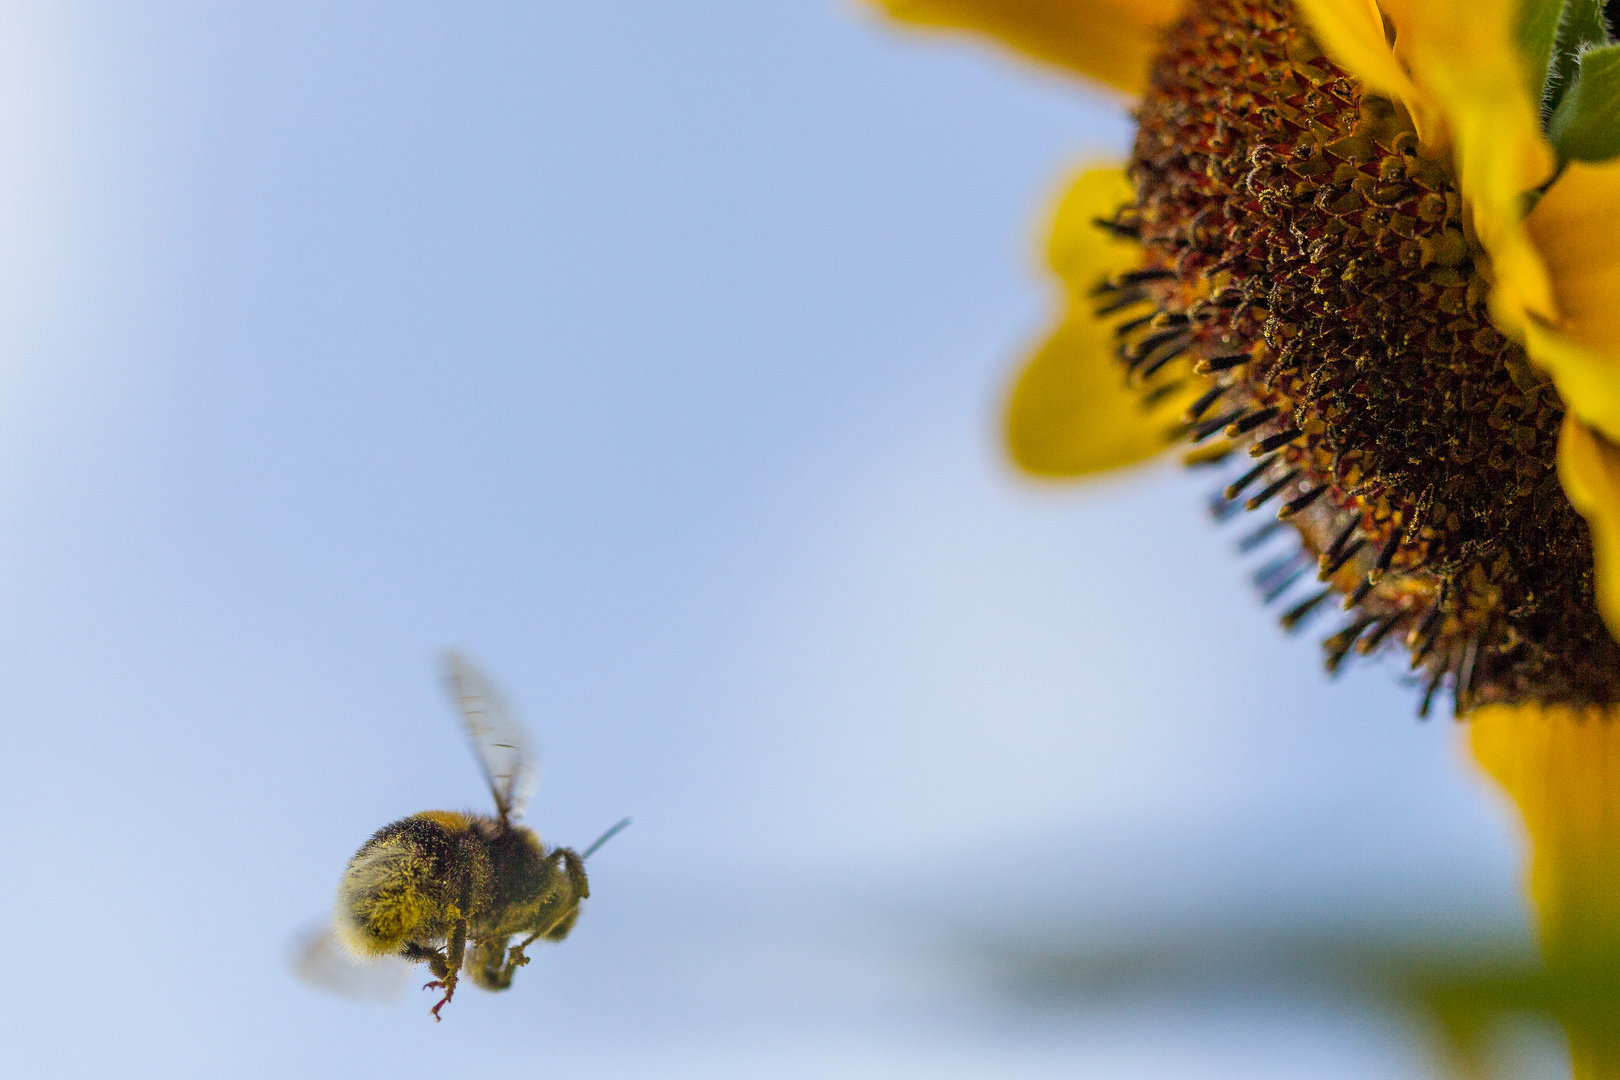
[1081, 253]
[1456, 65]
[1109, 40]
[1562, 770]
[1463, 55]
[1463, 58]
[1585, 379]
[1576, 227]
[1352, 32]
[1070, 412]
[1589, 467]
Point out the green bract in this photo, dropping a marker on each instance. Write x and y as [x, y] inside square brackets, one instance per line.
[1538, 41]
[1572, 67]
[1586, 124]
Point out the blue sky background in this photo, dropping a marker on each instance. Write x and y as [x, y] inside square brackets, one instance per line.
[651, 353]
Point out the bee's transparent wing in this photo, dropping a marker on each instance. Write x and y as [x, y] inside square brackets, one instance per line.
[320, 960]
[500, 741]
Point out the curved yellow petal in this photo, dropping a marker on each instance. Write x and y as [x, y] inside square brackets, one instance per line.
[1109, 40]
[1070, 412]
[1589, 467]
[1463, 57]
[1080, 252]
[1561, 767]
[1576, 228]
[1585, 379]
[1352, 33]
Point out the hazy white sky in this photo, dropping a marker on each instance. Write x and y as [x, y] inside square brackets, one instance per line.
[651, 353]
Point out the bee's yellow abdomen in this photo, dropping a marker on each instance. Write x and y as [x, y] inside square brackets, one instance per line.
[404, 883]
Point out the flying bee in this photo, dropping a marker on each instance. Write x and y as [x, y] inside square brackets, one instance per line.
[451, 890]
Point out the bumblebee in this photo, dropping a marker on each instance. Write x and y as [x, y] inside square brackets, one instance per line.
[451, 890]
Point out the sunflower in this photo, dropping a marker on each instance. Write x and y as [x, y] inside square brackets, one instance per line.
[1366, 258]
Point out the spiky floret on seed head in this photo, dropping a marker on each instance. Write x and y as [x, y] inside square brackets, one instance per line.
[1303, 255]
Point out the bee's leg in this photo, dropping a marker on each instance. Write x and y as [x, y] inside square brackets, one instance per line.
[486, 963]
[560, 929]
[574, 866]
[568, 863]
[433, 958]
[578, 889]
[515, 959]
[499, 964]
[455, 952]
[500, 978]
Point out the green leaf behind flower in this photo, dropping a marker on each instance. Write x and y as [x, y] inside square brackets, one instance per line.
[1586, 124]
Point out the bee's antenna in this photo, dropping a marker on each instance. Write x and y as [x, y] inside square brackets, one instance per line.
[604, 838]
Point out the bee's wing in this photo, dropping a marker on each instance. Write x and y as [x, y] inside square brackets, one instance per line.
[320, 960]
[500, 741]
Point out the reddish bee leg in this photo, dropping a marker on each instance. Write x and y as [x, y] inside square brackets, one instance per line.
[454, 952]
[444, 976]
[449, 992]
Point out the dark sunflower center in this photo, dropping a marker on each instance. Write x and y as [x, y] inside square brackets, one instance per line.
[1316, 269]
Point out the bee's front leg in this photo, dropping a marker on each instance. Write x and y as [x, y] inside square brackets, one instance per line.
[571, 869]
[574, 867]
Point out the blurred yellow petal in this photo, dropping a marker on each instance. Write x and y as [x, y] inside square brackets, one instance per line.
[1463, 57]
[1352, 33]
[1576, 224]
[1589, 467]
[1456, 64]
[1110, 40]
[1585, 379]
[1576, 227]
[1561, 768]
[1071, 413]
[1080, 252]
